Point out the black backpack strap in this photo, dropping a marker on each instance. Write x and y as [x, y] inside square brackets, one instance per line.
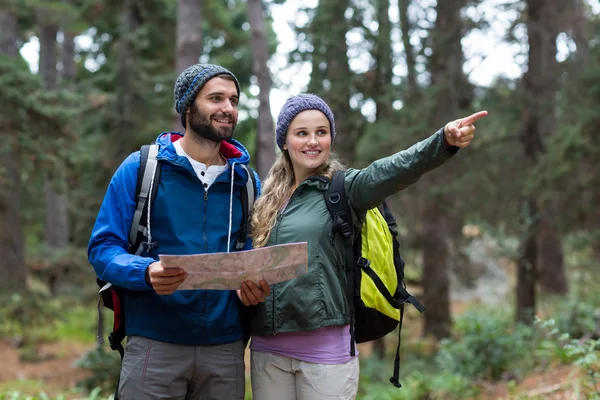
[337, 204]
[395, 378]
[247, 196]
[145, 192]
[401, 296]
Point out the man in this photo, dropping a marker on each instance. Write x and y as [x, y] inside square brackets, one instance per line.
[182, 344]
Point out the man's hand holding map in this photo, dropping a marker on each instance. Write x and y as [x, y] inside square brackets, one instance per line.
[227, 271]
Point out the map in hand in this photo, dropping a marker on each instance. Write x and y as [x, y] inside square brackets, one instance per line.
[227, 271]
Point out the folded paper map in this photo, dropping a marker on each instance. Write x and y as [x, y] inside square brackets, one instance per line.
[227, 271]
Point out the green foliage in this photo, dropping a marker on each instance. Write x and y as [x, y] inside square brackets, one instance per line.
[581, 352]
[105, 367]
[15, 395]
[25, 315]
[37, 316]
[485, 346]
[64, 270]
[420, 377]
[577, 319]
[586, 354]
[78, 325]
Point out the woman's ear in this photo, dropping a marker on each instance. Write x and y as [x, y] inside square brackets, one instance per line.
[285, 146]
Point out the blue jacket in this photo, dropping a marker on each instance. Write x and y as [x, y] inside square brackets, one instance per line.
[185, 219]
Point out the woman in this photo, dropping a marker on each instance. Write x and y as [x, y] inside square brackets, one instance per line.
[301, 343]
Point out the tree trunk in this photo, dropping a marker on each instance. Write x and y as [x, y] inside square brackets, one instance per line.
[411, 65]
[383, 96]
[526, 271]
[12, 266]
[447, 79]
[265, 138]
[551, 260]
[379, 348]
[543, 87]
[331, 76]
[436, 285]
[339, 75]
[56, 225]
[126, 60]
[48, 57]
[577, 24]
[538, 119]
[68, 58]
[189, 43]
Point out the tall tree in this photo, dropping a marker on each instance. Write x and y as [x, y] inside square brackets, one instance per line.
[188, 40]
[56, 226]
[538, 123]
[382, 53]
[265, 139]
[448, 88]
[12, 269]
[569, 16]
[127, 95]
[383, 92]
[576, 23]
[331, 76]
[411, 65]
[68, 48]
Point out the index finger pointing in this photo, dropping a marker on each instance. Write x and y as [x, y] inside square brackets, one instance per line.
[471, 119]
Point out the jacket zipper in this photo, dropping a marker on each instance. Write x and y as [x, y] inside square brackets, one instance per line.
[204, 301]
[274, 293]
[205, 221]
[278, 222]
[204, 295]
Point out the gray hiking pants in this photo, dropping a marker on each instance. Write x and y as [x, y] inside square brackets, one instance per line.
[159, 370]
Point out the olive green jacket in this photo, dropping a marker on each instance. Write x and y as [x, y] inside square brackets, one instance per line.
[317, 299]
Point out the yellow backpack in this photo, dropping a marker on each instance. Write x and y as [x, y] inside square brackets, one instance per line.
[375, 286]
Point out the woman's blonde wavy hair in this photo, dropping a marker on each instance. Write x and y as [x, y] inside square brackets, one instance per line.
[276, 191]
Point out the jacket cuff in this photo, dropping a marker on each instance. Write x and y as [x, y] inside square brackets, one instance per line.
[450, 150]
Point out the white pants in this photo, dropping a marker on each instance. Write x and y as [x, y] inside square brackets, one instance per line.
[276, 377]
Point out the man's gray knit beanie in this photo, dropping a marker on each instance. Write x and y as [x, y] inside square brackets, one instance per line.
[189, 83]
[294, 106]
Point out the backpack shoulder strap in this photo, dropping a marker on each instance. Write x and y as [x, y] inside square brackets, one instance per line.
[341, 216]
[248, 196]
[148, 174]
[337, 204]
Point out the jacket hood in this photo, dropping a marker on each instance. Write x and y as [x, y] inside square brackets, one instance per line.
[231, 149]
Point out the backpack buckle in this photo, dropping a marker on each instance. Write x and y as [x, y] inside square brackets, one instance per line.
[395, 382]
[240, 242]
[363, 262]
[346, 230]
[113, 341]
[409, 298]
[147, 246]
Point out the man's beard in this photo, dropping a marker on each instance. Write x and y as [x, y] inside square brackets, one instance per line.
[200, 125]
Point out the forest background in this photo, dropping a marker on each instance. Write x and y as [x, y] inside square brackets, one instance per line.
[502, 244]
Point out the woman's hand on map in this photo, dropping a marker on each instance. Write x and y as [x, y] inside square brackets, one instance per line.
[251, 294]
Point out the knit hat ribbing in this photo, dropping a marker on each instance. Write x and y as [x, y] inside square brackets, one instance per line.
[294, 106]
[191, 80]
